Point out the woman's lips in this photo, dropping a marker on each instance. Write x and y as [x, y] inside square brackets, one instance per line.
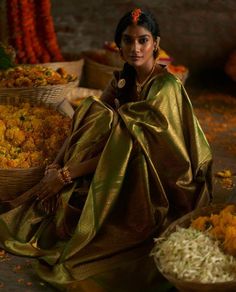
[135, 58]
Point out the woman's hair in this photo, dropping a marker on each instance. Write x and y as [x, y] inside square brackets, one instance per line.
[145, 19]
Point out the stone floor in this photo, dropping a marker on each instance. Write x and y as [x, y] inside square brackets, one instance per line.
[215, 106]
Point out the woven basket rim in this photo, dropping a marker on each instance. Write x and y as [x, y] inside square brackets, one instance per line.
[173, 280]
[75, 82]
[18, 168]
[80, 60]
[100, 65]
[87, 55]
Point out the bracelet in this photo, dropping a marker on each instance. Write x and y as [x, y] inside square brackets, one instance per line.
[64, 175]
[60, 176]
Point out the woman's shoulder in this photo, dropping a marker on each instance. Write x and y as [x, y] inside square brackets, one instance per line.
[166, 79]
[165, 84]
[165, 75]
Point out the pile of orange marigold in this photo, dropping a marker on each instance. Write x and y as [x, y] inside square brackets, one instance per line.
[30, 135]
[221, 227]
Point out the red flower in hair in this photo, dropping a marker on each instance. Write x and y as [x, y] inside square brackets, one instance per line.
[135, 14]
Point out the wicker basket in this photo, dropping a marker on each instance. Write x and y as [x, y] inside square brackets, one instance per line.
[14, 182]
[113, 59]
[49, 93]
[80, 93]
[193, 286]
[97, 73]
[71, 67]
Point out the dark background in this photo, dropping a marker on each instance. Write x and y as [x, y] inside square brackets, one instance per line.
[199, 34]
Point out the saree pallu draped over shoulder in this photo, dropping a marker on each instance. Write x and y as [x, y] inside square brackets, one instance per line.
[155, 166]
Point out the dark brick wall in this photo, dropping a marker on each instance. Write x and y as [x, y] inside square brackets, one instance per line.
[197, 33]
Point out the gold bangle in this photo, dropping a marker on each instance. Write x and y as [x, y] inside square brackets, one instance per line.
[66, 175]
[60, 176]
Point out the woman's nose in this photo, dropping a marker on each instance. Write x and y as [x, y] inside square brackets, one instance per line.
[135, 46]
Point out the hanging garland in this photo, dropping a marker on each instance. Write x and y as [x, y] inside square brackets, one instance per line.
[47, 30]
[31, 31]
[37, 39]
[14, 28]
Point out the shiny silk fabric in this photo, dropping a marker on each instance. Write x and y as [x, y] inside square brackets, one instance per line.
[155, 166]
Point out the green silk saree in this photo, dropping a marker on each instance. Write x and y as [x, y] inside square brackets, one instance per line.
[155, 166]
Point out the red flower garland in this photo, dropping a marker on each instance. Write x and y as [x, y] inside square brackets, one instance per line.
[27, 23]
[32, 34]
[135, 15]
[44, 10]
[15, 30]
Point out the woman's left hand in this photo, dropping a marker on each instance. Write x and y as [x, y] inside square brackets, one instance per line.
[49, 186]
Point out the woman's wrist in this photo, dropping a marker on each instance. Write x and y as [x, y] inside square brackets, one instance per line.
[51, 166]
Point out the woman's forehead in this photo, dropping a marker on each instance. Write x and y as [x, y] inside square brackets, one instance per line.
[135, 31]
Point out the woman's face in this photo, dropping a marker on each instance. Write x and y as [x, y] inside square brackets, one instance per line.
[137, 45]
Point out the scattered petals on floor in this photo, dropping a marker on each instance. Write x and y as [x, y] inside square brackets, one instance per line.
[217, 115]
[225, 177]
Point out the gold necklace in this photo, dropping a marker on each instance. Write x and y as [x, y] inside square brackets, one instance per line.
[139, 86]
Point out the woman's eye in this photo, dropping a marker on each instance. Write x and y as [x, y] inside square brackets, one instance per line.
[127, 40]
[143, 40]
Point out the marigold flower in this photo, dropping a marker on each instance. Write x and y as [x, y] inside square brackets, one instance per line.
[223, 227]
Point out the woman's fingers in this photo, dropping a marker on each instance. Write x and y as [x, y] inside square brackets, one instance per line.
[53, 204]
[49, 205]
[41, 191]
[45, 191]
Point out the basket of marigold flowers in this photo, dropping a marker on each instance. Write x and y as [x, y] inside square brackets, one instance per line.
[31, 135]
[198, 251]
[49, 82]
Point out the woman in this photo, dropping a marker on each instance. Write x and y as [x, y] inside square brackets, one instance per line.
[134, 161]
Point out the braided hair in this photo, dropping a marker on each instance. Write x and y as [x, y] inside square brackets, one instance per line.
[146, 20]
